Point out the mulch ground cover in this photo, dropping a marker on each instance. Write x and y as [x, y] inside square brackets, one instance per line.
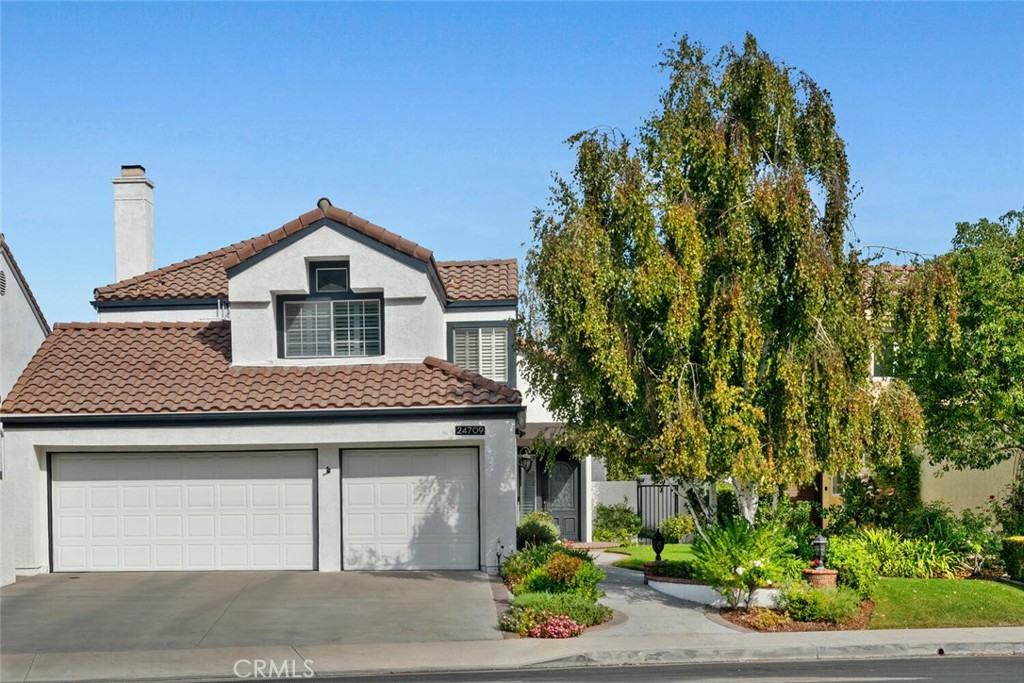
[766, 620]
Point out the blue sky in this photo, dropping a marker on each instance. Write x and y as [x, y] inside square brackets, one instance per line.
[443, 122]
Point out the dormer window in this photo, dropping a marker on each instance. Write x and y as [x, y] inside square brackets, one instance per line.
[333, 321]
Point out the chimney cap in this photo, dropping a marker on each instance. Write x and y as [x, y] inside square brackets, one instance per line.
[133, 171]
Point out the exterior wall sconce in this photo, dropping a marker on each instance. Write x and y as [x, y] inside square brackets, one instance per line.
[526, 462]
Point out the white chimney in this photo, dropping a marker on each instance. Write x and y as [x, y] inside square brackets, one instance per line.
[133, 223]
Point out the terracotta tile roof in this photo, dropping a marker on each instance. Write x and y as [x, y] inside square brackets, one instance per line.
[479, 280]
[173, 368]
[24, 283]
[205, 276]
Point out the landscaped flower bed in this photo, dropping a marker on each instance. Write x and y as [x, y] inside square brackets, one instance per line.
[554, 588]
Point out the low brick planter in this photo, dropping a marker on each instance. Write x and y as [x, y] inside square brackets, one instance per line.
[649, 574]
[821, 578]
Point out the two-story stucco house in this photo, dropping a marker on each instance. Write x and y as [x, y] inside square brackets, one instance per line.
[324, 396]
[22, 329]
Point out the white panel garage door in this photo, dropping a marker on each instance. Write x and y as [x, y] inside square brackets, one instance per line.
[183, 511]
[410, 508]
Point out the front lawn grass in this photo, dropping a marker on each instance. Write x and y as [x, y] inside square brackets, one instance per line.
[638, 554]
[936, 603]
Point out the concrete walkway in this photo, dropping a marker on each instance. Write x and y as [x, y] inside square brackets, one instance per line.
[648, 612]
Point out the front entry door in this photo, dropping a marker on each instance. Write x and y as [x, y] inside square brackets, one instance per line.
[562, 498]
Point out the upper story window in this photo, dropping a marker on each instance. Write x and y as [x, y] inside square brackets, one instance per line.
[332, 322]
[483, 350]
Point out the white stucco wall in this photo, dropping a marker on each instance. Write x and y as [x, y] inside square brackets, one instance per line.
[159, 315]
[21, 333]
[413, 324]
[25, 512]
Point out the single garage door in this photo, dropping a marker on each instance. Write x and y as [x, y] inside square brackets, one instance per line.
[410, 508]
[183, 511]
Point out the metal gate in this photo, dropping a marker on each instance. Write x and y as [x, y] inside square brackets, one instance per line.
[655, 502]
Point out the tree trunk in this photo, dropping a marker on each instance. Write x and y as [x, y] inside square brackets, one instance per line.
[746, 498]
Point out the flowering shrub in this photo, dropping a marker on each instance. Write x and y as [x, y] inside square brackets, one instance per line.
[562, 567]
[583, 582]
[559, 626]
[522, 619]
[520, 563]
[737, 559]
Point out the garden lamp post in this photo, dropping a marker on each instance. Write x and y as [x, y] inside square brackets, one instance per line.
[658, 543]
[819, 544]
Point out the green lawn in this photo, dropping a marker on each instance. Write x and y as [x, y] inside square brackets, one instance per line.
[638, 554]
[934, 603]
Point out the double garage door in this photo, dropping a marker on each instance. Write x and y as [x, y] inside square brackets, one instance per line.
[401, 509]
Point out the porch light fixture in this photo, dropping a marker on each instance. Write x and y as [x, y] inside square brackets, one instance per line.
[526, 462]
[819, 544]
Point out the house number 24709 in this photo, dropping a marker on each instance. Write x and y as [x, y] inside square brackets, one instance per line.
[469, 430]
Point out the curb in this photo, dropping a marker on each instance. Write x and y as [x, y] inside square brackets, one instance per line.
[683, 655]
[788, 653]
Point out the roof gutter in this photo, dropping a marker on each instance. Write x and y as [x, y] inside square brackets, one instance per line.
[14, 421]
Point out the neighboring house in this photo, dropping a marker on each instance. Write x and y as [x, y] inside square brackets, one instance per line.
[325, 396]
[22, 329]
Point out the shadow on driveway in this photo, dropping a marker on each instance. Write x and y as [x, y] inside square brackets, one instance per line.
[101, 612]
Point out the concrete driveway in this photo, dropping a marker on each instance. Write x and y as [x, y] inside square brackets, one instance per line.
[174, 610]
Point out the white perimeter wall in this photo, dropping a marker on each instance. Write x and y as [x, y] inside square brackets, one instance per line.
[25, 504]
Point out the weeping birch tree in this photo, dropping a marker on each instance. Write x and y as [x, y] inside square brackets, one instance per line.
[693, 310]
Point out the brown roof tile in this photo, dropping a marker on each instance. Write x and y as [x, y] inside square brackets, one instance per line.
[479, 280]
[205, 276]
[169, 368]
[24, 283]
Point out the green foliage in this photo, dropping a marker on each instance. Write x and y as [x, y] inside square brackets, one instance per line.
[883, 499]
[546, 579]
[1009, 509]
[803, 602]
[616, 523]
[677, 527]
[1013, 557]
[522, 620]
[676, 569]
[795, 517]
[690, 310]
[578, 608]
[969, 535]
[959, 327]
[536, 528]
[737, 558]
[858, 567]
[520, 563]
[911, 558]
[728, 509]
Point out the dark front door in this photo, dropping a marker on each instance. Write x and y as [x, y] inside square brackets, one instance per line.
[562, 499]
